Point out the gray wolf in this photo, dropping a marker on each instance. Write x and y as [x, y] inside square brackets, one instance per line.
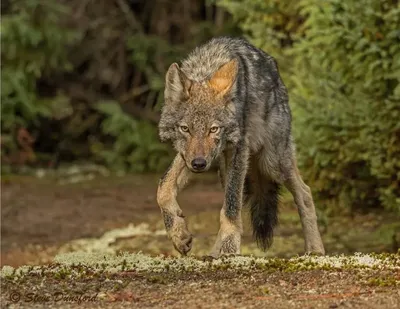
[226, 103]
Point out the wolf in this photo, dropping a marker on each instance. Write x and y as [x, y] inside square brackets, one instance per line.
[226, 103]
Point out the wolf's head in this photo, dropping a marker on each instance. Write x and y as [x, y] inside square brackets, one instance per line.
[199, 117]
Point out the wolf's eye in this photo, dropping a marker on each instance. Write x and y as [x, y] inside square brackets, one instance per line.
[214, 129]
[184, 128]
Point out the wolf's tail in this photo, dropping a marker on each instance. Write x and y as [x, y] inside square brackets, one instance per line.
[262, 196]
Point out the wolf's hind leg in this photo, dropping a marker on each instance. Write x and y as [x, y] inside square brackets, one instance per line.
[233, 168]
[170, 184]
[305, 205]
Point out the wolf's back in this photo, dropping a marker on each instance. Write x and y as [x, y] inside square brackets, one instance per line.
[206, 59]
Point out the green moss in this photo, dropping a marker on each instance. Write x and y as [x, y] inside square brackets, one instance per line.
[63, 273]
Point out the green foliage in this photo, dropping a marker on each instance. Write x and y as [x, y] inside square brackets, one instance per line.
[33, 43]
[347, 99]
[341, 62]
[152, 57]
[136, 147]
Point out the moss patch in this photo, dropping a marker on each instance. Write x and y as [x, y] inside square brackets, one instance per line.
[78, 264]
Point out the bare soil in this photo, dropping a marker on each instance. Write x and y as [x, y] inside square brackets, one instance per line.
[217, 289]
[38, 215]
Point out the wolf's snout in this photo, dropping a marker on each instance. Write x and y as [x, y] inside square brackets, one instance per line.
[199, 164]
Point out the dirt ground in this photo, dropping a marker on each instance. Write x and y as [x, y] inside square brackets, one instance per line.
[308, 289]
[41, 218]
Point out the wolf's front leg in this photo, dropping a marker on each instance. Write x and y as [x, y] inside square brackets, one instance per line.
[170, 184]
[233, 169]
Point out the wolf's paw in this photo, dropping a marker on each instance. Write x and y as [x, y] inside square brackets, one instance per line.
[227, 246]
[183, 244]
[315, 252]
[315, 249]
[180, 236]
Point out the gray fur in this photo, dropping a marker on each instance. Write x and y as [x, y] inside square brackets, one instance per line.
[255, 138]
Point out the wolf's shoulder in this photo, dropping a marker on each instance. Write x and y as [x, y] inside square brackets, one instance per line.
[206, 59]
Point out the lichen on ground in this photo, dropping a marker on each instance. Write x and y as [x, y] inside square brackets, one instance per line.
[112, 263]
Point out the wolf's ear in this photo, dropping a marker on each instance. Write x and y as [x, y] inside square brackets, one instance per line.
[177, 85]
[223, 80]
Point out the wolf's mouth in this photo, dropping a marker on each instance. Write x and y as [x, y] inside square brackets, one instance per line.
[197, 171]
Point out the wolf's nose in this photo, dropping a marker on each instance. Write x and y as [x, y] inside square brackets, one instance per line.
[199, 164]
